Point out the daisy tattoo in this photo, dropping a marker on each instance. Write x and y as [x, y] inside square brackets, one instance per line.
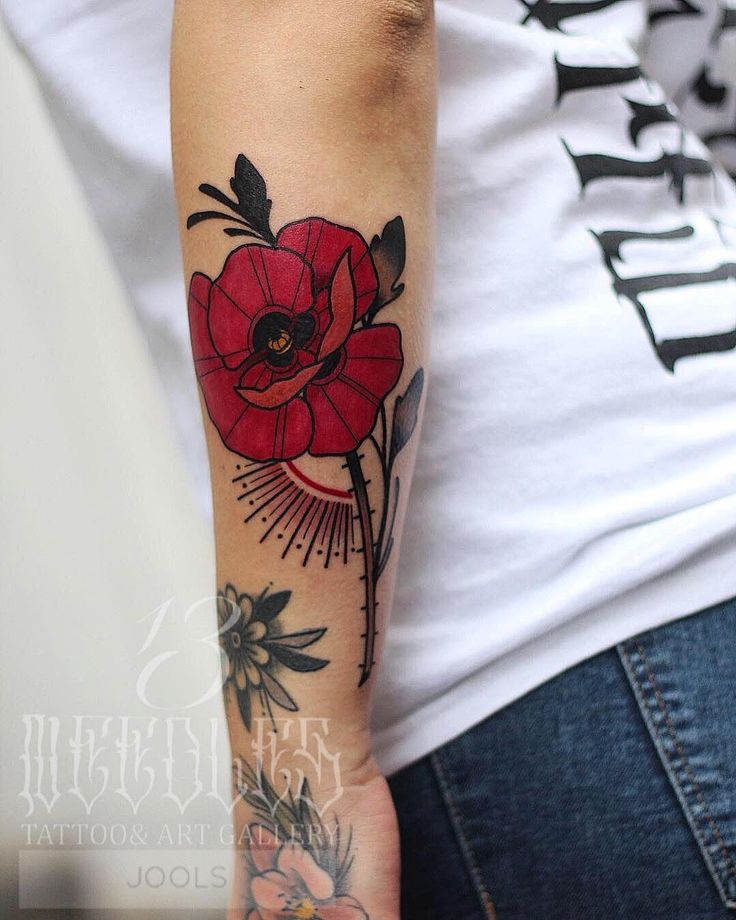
[256, 650]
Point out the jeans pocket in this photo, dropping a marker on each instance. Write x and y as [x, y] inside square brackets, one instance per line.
[464, 844]
[683, 676]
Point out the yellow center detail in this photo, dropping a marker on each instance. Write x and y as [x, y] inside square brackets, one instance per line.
[280, 343]
[305, 909]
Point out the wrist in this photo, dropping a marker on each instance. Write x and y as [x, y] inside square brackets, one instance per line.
[324, 850]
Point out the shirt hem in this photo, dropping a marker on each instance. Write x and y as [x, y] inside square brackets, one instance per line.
[696, 587]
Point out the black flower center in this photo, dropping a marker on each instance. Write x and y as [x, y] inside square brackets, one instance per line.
[278, 335]
[329, 366]
[282, 343]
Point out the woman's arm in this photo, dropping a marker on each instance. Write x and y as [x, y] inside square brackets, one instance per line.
[303, 141]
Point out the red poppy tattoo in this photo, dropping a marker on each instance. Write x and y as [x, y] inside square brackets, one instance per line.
[289, 358]
[284, 363]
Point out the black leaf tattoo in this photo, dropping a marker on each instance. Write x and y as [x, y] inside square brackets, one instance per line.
[253, 202]
[271, 605]
[251, 205]
[295, 661]
[406, 412]
[278, 694]
[300, 639]
[389, 256]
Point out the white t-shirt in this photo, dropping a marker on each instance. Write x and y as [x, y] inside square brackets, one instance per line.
[577, 475]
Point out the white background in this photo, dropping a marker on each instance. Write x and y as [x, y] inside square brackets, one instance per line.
[99, 522]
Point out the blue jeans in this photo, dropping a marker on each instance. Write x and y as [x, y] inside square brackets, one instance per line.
[609, 793]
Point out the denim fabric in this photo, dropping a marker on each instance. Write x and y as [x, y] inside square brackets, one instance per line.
[607, 793]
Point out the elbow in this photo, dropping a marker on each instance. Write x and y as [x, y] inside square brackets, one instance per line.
[378, 28]
[404, 21]
[388, 49]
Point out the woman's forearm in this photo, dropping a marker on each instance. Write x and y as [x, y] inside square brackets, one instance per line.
[303, 137]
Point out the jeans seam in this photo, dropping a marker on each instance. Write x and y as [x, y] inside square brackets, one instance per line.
[466, 849]
[725, 866]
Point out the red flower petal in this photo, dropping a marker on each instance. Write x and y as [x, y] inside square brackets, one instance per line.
[264, 385]
[254, 277]
[253, 432]
[224, 406]
[199, 299]
[342, 308]
[322, 312]
[345, 408]
[261, 375]
[280, 391]
[271, 434]
[323, 244]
